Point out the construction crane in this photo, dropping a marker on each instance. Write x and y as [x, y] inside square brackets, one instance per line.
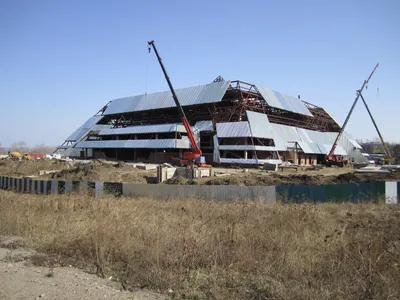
[331, 158]
[195, 155]
[388, 158]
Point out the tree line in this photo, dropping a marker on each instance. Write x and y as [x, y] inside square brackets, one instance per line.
[22, 147]
[376, 147]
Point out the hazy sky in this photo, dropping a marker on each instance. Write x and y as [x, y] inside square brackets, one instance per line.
[61, 61]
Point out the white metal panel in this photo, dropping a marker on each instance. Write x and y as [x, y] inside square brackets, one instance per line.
[248, 161]
[283, 135]
[144, 129]
[100, 144]
[259, 125]
[247, 147]
[204, 125]
[201, 94]
[282, 101]
[164, 143]
[154, 144]
[84, 128]
[325, 148]
[183, 143]
[309, 148]
[391, 193]
[354, 143]
[233, 129]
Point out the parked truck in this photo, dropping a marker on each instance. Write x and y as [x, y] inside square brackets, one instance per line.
[15, 155]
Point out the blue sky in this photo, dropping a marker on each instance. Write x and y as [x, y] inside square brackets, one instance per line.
[61, 61]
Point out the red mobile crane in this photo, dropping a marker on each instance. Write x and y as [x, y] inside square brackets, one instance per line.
[331, 158]
[195, 155]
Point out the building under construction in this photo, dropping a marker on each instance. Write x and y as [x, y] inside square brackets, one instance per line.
[234, 122]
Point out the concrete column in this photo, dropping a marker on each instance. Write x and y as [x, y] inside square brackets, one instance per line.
[245, 154]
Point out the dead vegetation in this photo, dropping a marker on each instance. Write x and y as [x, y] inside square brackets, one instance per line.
[204, 250]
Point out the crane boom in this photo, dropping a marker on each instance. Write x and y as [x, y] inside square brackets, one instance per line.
[332, 151]
[388, 155]
[196, 151]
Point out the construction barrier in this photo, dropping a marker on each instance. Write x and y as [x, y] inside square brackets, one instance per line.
[351, 192]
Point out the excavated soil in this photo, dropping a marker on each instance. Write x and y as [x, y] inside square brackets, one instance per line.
[98, 170]
[30, 167]
[93, 171]
[254, 179]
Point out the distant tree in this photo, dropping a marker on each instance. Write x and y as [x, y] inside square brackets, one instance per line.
[396, 153]
[42, 148]
[19, 146]
[1, 149]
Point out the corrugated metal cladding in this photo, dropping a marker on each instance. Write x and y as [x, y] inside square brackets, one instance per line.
[259, 125]
[311, 142]
[144, 129]
[100, 144]
[250, 161]
[84, 128]
[354, 143]
[246, 147]
[153, 144]
[282, 101]
[157, 128]
[208, 93]
[204, 125]
[233, 129]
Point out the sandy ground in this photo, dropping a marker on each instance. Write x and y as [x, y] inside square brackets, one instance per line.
[20, 278]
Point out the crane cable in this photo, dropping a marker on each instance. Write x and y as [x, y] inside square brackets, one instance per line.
[377, 87]
[147, 71]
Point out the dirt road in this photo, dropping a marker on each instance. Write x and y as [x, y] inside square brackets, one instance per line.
[21, 279]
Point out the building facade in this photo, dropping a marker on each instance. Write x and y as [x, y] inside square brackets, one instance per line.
[234, 123]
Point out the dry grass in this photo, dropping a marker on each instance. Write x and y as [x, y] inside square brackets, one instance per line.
[205, 250]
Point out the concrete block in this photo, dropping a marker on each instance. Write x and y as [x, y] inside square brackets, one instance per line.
[146, 167]
[46, 172]
[98, 189]
[391, 193]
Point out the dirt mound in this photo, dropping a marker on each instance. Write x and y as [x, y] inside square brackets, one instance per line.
[30, 167]
[349, 178]
[180, 180]
[97, 171]
[84, 172]
[268, 179]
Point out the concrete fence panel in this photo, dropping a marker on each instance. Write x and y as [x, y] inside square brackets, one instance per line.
[352, 192]
[391, 192]
[202, 192]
